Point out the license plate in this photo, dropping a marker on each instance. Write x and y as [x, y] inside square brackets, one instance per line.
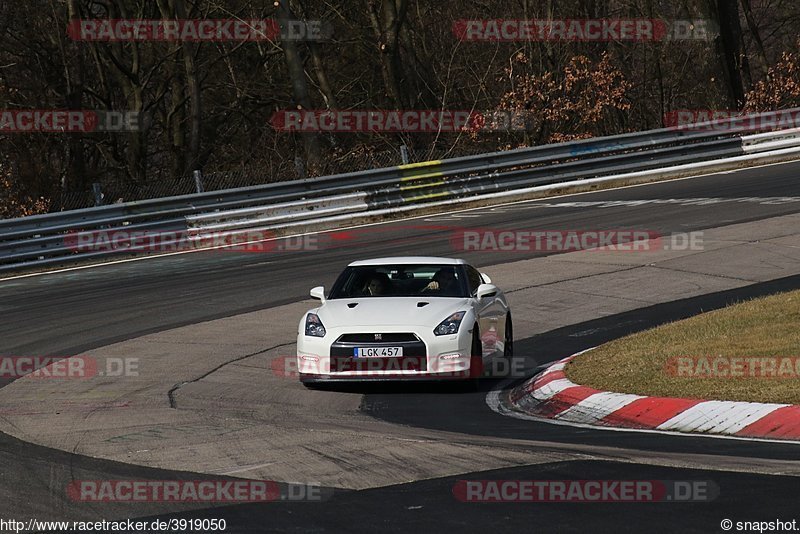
[378, 352]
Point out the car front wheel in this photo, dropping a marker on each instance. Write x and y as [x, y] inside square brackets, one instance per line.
[508, 342]
[476, 356]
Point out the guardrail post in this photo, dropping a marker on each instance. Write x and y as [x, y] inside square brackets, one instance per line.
[198, 180]
[98, 194]
[404, 154]
[300, 167]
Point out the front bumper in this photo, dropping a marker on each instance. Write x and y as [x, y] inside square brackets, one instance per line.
[426, 357]
[421, 377]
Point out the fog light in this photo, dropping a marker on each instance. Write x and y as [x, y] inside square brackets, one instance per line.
[451, 356]
[309, 358]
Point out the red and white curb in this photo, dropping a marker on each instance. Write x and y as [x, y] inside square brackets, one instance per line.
[551, 395]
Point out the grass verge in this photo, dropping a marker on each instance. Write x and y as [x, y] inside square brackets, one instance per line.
[749, 351]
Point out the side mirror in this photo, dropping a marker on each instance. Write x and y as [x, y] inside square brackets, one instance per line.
[486, 290]
[486, 279]
[318, 293]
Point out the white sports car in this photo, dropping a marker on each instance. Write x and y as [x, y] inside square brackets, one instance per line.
[404, 318]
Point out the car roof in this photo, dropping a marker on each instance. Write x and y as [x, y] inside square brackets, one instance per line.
[409, 260]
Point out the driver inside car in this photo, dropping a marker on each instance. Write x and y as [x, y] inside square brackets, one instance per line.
[376, 285]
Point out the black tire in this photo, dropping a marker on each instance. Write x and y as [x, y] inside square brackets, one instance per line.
[508, 342]
[311, 384]
[476, 355]
[472, 383]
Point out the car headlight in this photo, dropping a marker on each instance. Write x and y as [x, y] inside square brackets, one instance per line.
[314, 327]
[450, 325]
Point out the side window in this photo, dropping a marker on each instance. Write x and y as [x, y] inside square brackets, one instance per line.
[474, 278]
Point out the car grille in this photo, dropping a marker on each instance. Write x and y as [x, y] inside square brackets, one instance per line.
[414, 353]
[390, 337]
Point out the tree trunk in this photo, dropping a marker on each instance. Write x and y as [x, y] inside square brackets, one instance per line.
[320, 71]
[76, 176]
[175, 120]
[734, 58]
[753, 26]
[387, 20]
[322, 77]
[297, 74]
[177, 9]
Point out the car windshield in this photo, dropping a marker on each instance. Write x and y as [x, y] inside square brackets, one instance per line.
[401, 281]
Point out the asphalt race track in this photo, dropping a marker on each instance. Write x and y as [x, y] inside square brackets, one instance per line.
[77, 310]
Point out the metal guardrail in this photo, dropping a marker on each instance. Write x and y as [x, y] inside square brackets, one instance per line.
[54, 239]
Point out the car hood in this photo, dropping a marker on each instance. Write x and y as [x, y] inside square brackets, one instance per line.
[389, 311]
